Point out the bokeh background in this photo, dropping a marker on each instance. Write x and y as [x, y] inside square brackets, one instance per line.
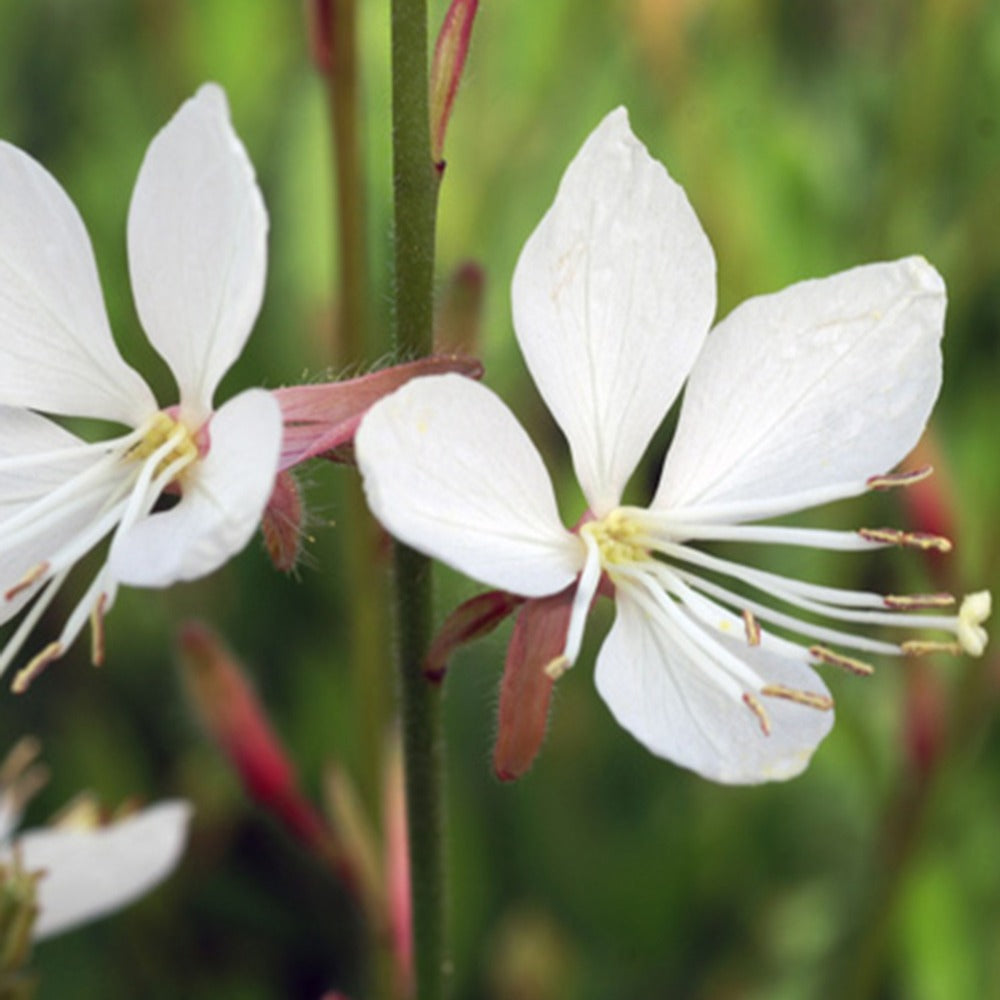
[810, 136]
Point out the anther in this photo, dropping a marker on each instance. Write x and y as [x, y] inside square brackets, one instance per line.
[893, 479]
[97, 630]
[28, 673]
[822, 702]
[752, 628]
[917, 602]
[848, 663]
[909, 539]
[31, 577]
[924, 647]
[557, 667]
[757, 708]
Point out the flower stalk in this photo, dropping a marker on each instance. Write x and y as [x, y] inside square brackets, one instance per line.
[415, 205]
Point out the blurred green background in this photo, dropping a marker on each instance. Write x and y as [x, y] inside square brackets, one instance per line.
[810, 136]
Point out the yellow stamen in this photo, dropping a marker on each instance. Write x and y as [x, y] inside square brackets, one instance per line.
[161, 429]
[557, 667]
[752, 628]
[915, 602]
[31, 577]
[28, 673]
[757, 708]
[909, 539]
[97, 631]
[848, 663]
[823, 702]
[924, 647]
[893, 479]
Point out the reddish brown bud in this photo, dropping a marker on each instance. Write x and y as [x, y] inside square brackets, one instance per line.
[229, 709]
[446, 71]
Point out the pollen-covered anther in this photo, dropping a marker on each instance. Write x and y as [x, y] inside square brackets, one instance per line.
[908, 539]
[918, 602]
[924, 647]
[556, 667]
[97, 630]
[822, 702]
[894, 479]
[753, 703]
[848, 663]
[752, 628]
[24, 677]
[29, 579]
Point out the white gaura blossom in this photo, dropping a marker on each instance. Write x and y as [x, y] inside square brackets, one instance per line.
[795, 399]
[197, 248]
[82, 868]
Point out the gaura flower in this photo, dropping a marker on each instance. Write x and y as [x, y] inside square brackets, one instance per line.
[197, 230]
[795, 399]
[79, 868]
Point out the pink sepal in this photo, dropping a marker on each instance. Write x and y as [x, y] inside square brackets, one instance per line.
[322, 418]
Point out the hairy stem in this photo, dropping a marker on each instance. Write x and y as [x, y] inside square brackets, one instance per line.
[415, 194]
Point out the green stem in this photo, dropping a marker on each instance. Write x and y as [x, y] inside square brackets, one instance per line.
[415, 194]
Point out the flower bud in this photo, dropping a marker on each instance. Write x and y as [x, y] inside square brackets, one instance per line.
[446, 70]
[231, 712]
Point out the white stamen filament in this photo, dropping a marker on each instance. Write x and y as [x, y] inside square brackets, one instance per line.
[128, 491]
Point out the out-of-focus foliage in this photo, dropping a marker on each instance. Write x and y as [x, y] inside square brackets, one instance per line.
[810, 136]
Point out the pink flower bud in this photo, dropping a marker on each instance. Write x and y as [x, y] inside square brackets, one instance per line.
[446, 71]
[231, 712]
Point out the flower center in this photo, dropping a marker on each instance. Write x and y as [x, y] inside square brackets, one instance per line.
[615, 538]
[162, 430]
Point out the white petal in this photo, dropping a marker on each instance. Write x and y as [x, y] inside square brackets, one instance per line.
[825, 382]
[23, 434]
[449, 470]
[221, 504]
[612, 297]
[90, 873]
[56, 352]
[664, 698]
[197, 244]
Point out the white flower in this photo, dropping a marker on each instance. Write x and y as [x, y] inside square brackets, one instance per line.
[795, 399]
[197, 231]
[82, 869]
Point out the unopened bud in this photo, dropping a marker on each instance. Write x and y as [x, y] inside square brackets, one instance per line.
[231, 712]
[319, 30]
[446, 71]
